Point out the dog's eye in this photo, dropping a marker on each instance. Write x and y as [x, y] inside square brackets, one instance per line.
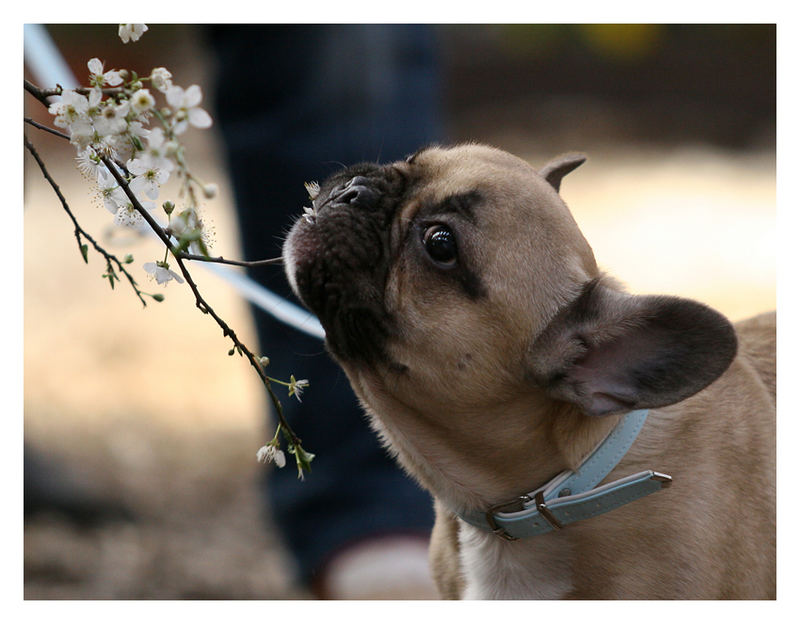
[440, 243]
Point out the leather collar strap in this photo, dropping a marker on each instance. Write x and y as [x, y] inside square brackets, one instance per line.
[574, 495]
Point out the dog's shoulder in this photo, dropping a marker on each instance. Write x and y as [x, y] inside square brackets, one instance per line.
[757, 338]
[444, 555]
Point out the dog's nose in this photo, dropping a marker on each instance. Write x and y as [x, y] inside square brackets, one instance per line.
[356, 191]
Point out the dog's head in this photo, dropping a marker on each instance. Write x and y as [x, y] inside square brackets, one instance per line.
[459, 275]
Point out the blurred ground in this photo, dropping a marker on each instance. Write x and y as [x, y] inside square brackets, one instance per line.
[144, 408]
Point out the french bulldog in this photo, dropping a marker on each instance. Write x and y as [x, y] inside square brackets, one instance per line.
[492, 355]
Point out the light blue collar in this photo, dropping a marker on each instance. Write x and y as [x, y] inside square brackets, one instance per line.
[574, 495]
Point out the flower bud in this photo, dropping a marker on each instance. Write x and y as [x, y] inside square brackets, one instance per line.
[161, 79]
[158, 297]
[264, 361]
[210, 190]
[171, 148]
[168, 207]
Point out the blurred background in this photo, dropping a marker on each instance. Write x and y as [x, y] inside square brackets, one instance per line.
[145, 415]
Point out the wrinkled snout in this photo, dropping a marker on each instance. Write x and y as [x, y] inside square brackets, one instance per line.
[336, 258]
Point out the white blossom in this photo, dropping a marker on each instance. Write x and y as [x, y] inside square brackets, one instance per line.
[137, 135]
[113, 196]
[95, 100]
[188, 223]
[150, 174]
[108, 144]
[73, 107]
[187, 110]
[161, 79]
[296, 387]
[157, 149]
[112, 118]
[100, 79]
[161, 272]
[131, 32]
[136, 128]
[82, 134]
[270, 453]
[142, 101]
[128, 216]
[88, 163]
[178, 224]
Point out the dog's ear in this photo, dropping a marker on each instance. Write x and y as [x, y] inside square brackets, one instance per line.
[610, 351]
[557, 168]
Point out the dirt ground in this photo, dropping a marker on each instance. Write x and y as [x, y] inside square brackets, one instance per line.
[145, 410]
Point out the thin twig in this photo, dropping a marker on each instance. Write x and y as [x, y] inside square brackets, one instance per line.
[202, 304]
[41, 94]
[36, 124]
[79, 231]
[221, 260]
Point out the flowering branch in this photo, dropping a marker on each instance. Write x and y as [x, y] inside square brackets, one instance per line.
[108, 124]
[295, 447]
[80, 233]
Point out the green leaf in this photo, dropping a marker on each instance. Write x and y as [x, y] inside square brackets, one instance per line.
[85, 253]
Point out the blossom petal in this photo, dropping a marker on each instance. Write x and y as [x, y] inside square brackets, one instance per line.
[156, 138]
[95, 66]
[192, 97]
[175, 96]
[127, 216]
[162, 275]
[262, 455]
[162, 175]
[95, 96]
[138, 185]
[112, 78]
[199, 118]
[136, 166]
[175, 276]
[151, 192]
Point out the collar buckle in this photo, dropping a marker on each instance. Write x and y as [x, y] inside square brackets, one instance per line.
[541, 507]
[517, 504]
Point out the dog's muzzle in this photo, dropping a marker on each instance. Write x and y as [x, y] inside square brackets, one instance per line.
[337, 260]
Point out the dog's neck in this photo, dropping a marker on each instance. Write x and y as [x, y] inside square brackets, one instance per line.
[533, 439]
